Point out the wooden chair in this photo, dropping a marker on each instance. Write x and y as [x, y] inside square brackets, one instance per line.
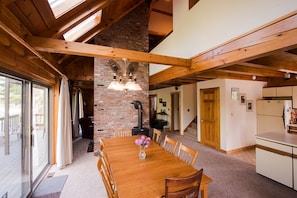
[120, 132]
[110, 189]
[183, 186]
[105, 162]
[170, 144]
[101, 146]
[187, 154]
[157, 135]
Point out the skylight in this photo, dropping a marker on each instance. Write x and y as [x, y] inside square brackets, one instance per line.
[60, 7]
[83, 27]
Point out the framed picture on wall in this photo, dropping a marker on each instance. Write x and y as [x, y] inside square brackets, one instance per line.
[234, 93]
[249, 105]
[242, 98]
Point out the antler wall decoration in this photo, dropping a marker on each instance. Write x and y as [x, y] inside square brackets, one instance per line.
[126, 75]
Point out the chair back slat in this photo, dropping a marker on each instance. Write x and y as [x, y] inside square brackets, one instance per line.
[120, 132]
[157, 135]
[183, 186]
[187, 154]
[170, 144]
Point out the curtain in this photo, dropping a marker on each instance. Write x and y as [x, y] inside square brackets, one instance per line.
[81, 105]
[81, 108]
[64, 131]
[75, 115]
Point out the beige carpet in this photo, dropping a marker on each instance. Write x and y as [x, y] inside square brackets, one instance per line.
[83, 177]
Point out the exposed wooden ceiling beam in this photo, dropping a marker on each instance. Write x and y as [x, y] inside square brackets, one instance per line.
[90, 50]
[27, 46]
[238, 69]
[279, 68]
[279, 36]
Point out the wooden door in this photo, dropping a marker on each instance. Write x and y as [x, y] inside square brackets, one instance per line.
[210, 117]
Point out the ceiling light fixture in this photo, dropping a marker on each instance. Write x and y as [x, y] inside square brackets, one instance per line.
[124, 77]
[287, 76]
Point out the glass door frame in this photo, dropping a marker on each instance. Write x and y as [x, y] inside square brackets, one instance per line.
[49, 131]
[26, 132]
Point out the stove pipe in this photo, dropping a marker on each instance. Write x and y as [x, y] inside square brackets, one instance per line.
[137, 105]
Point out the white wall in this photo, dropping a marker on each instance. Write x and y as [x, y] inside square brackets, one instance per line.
[188, 105]
[237, 126]
[188, 101]
[211, 22]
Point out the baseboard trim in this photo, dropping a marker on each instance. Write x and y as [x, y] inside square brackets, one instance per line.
[240, 149]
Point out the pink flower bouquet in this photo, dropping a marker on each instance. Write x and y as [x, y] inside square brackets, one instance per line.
[143, 141]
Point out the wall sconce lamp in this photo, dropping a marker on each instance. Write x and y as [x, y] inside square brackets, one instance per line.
[124, 77]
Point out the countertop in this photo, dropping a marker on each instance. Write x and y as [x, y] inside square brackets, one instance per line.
[282, 138]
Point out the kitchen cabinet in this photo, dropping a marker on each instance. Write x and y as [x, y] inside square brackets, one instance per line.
[269, 92]
[277, 91]
[295, 167]
[274, 160]
[284, 91]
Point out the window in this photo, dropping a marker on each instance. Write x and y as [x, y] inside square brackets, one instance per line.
[60, 7]
[83, 27]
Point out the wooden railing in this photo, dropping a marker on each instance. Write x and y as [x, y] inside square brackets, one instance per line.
[14, 125]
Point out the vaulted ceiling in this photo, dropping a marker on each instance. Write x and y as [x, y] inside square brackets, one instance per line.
[267, 53]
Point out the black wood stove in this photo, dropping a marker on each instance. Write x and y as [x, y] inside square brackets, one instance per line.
[139, 130]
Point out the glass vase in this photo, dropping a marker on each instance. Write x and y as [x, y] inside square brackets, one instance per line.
[142, 153]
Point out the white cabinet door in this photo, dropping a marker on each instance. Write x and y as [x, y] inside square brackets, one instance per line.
[273, 160]
[277, 91]
[269, 92]
[295, 167]
[284, 91]
[264, 124]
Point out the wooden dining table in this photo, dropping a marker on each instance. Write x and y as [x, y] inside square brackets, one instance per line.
[136, 178]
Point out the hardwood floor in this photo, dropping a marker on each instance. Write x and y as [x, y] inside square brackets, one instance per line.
[248, 156]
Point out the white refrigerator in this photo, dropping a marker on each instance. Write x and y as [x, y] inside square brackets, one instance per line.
[273, 115]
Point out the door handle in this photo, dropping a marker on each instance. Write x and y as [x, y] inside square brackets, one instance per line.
[201, 121]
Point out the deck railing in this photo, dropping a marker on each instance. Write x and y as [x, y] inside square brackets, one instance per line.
[14, 125]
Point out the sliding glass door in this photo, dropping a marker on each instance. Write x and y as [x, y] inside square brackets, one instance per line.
[14, 143]
[24, 135]
[39, 129]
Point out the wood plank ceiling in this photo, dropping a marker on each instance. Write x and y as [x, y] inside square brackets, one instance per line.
[267, 53]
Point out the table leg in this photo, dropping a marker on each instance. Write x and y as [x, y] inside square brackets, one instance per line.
[204, 191]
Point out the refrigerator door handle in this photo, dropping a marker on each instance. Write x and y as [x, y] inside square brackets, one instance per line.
[283, 116]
